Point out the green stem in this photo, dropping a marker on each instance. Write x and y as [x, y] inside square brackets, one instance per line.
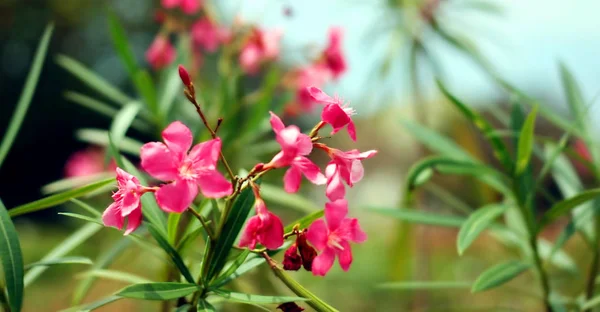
[543, 276]
[594, 266]
[198, 216]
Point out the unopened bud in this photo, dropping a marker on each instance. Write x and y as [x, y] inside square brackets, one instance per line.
[307, 252]
[291, 260]
[185, 77]
[290, 307]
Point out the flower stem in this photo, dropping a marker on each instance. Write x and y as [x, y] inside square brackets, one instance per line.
[543, 276]
[200, 218]
[594, 266]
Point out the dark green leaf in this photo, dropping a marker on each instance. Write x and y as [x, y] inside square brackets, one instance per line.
[499, 275]
[477, 223]
[26, 95]
[158, 291]
[65, 260]
[425, 285]
[567, 205]
[59, 198]
[248, 298]
[239, 260]
[420, 217]
[12, 260]
[525, 146]
[232, 227]
[173, 254]
[205, 306]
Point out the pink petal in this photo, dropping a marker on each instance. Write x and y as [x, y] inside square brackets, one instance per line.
[112, 216]
[214, 185]
[178, 138]
[206, 35]
[250, 58]
[318, 234]
[170, 3]
[281, 160]
[272, 232]
[292, 179]
[320, 96]
[335, 187]
[334, 115]
[206, 154]
[356, 171]
[249, 237]
[160, 53]
[323, 262]
[351, 130]
[345, 256]
[177, 196]
[276, 123]
[304, 144]
[190, 6]
[270, 43]
[133, 221]
[131, 202]
[335, 213]
[158, 161]
[311, 171]
[357, 235]
[367, 154]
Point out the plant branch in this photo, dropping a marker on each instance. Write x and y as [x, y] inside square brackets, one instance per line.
[200, 218]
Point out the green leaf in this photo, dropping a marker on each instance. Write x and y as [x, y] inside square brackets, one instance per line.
[305, 221]
[574, 97]
[594, 302]
[67, 245]
[173, 254]
[117, 276]
[59, 198]
[87, 207]
[500, 150]
[314, 301]
[425, 285]
[119, 127]
[259, 299]
[93, 305]
[525, 147]
[567, 205]
[171, 88]
[239, 260]
[26, 94]
[499, 275]
[172, 227]
[145, 87]
[158, 291]
[82, 217]
[435, 141]
[74, 182]
[100, 137]
[12, 260]
[477, 223]
[65, 260]
[260, 109]
[277, 195]
[205, 306]
[420, 217]
[92, 80]
[232, 227]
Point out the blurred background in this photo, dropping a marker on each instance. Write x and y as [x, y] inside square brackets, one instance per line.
[522, 42]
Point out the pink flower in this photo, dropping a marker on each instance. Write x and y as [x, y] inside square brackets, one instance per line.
[161, 53]
[126, 203]
[260, 47]
[335, 113]
[87, 162]
[295, 145]
[313, 75]
[186, 171]
[187, 6]
[208, 36]
[344, 167]
[264, 228]
[333, 54]
[333, 239]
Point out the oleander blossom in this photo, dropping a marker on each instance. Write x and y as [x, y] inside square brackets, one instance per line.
[264, 228]
[313, 75]
[126, 203]
[187, 6]
[87, 162]
[185, 172]
[261, 46]
[332, 238]
[207, 36]
[161, 53]
[344, 167]
[334, 54]
[295, 146]
[335, 113]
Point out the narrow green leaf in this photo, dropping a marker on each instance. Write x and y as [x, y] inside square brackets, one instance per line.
[567, 205]
[73, 182]
[500, 150]
[232, 227]
[65, 260]
[158, 291]
[12, 260]
[574, 97]
[477, 223]
[82, 217]
[277, 195]
[116, 276]
[119, 127]
[145, 87]
[187, 241]
[594, 302]
[305, 221]
[173, 254]
[260, 109]
[525, 147]
[100, 137]
[499, 275]
[239, 260]
[67, 245]
[172, 227]
[169, 93]
[87, 207]
[425, 285]
[205, 306]
[314, 301]
[59, 198]
[26, 94]
[93, 305]
[259, 299]
[420, 217]
[92, 80]
[435, 141]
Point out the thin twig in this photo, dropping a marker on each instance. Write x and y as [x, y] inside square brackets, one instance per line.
[200, 218]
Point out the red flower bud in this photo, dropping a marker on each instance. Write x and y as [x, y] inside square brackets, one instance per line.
[185, 77]
[307, 252]
[291, 260]
[290, 307]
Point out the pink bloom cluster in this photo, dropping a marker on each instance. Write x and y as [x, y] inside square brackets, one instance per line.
[87, 162]
[331, 238]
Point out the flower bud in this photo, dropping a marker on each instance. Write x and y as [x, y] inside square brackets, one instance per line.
[185, 77]
[291, 260]
[290, 307]
[307, 252]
